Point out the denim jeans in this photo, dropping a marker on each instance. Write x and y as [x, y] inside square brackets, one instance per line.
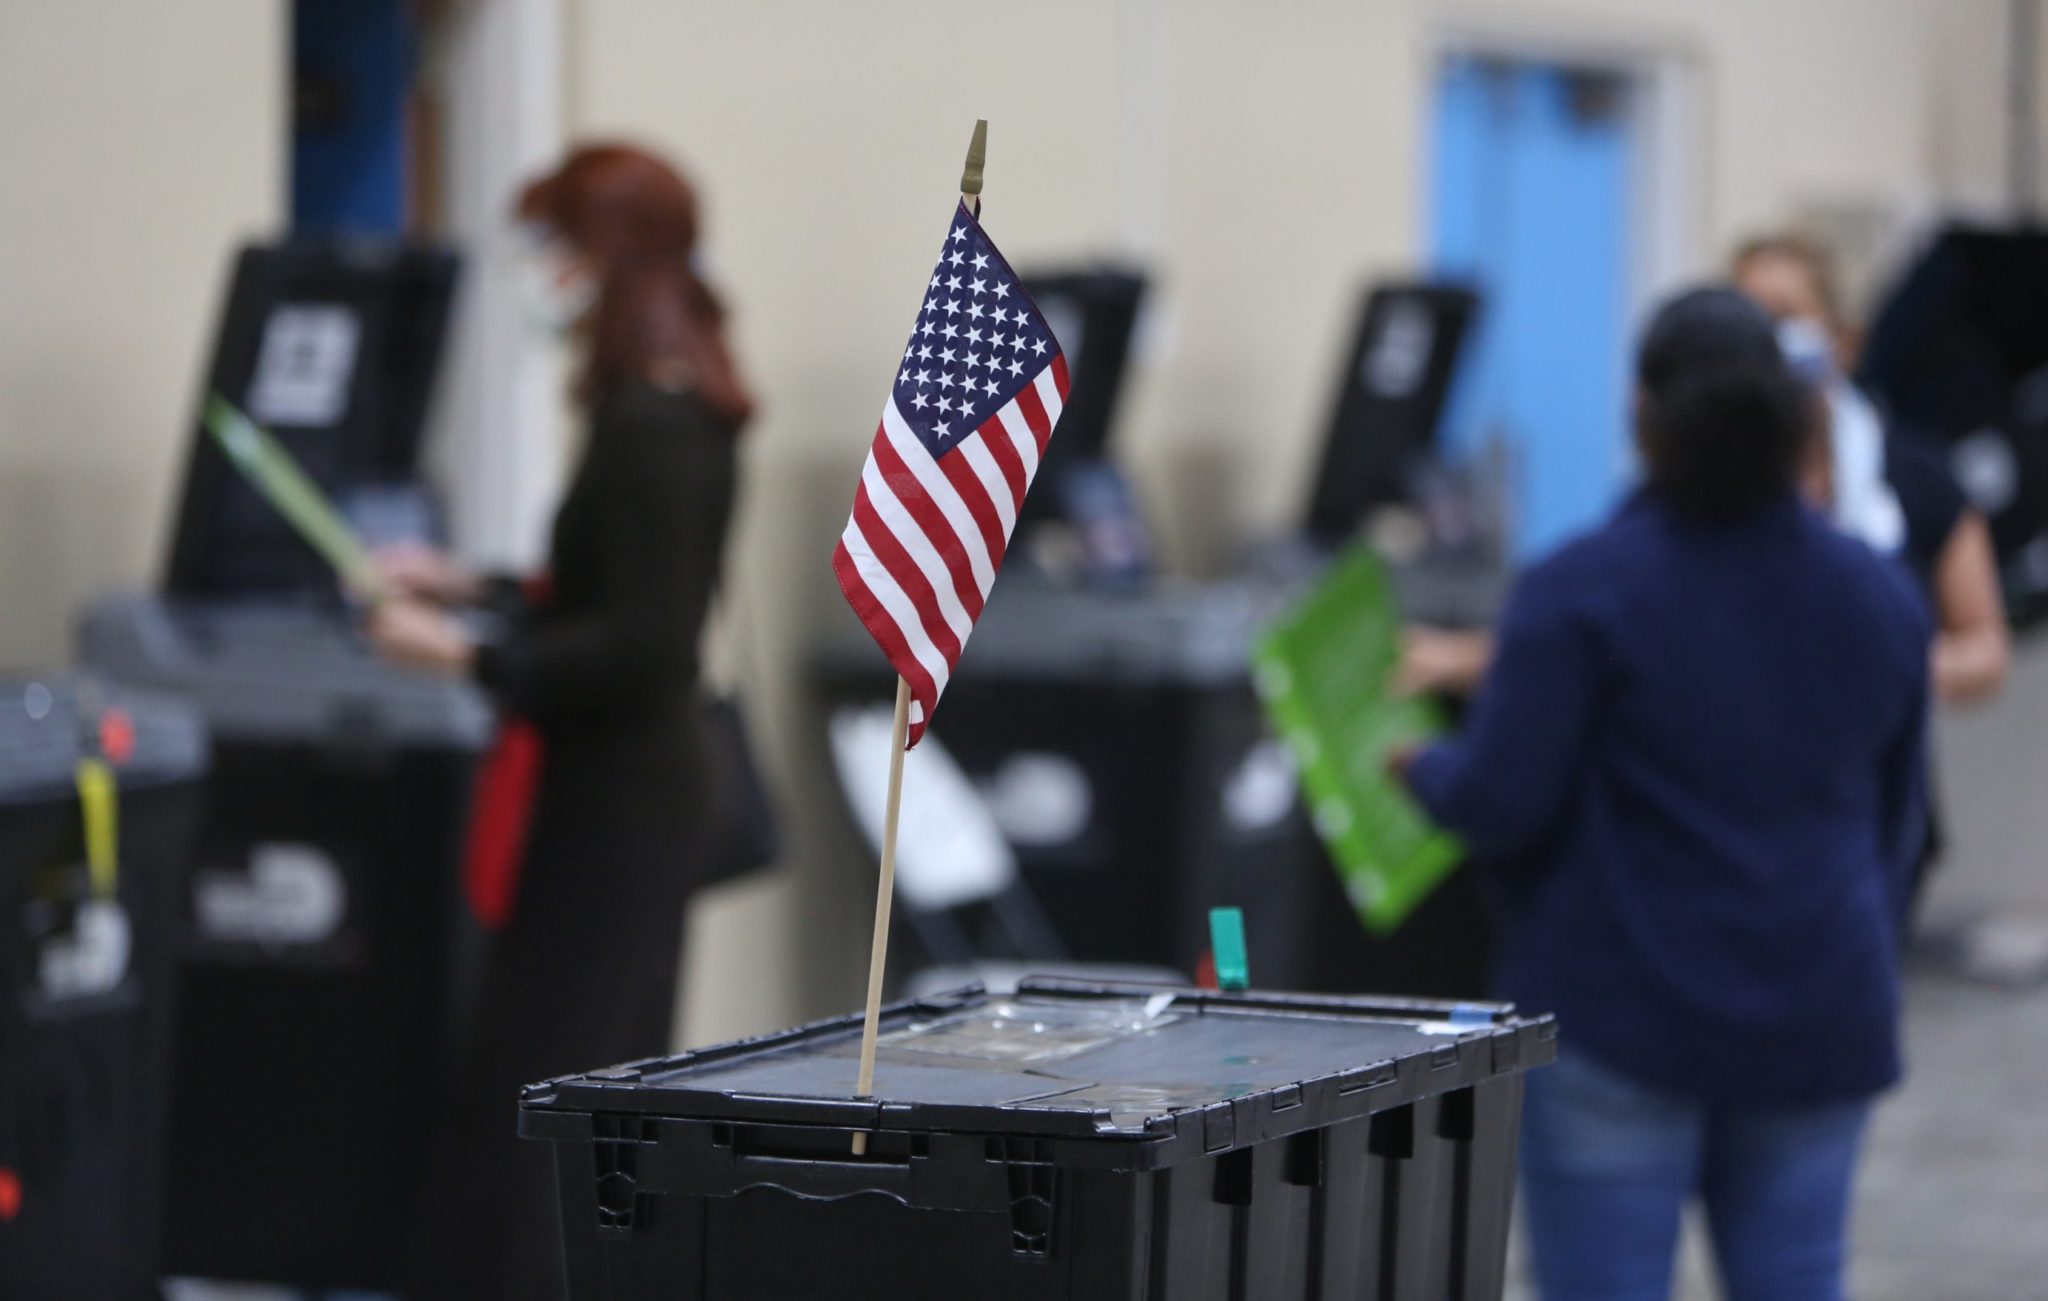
[1608, 1166]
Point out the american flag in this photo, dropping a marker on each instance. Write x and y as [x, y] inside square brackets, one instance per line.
[980, 389]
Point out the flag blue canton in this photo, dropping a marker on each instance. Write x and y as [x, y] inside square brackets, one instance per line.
[978, 342]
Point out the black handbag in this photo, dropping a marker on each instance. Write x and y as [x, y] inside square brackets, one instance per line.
[745, 835]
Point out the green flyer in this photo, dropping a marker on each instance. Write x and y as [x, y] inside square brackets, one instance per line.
[273, 473]
[1324, 671]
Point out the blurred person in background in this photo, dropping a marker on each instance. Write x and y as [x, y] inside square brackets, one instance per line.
[601, 656]
[1694, 773]
[1889, 488]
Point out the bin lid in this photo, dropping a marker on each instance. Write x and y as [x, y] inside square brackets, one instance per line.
[49, 721]
[271, 671]
[1064, 1059]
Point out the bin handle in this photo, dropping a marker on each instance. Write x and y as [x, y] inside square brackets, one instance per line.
[824, 1180]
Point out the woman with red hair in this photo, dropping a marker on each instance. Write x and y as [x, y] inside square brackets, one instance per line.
[602, 659]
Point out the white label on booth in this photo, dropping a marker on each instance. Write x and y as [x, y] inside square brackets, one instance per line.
[303, 372]
[292, 894]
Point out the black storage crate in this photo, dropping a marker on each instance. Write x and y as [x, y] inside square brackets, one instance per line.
[1070, 1142]
[85, 985]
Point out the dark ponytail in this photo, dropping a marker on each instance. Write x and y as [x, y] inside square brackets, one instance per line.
[1722, 420]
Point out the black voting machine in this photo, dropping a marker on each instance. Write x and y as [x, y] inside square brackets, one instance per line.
[1118, 720]
[1959, 355]
[85, 981]
[323, 947]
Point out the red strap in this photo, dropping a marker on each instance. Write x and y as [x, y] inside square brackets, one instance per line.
[498, 823]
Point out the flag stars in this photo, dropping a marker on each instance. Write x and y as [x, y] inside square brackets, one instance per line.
[925, 329]
[980, 286]
[924, 377]
[974, 310]
[953, 282]
[974, 336]
[951, 331]
[959, 233]
[1016, 366]
[920, 401]
[989, 386]
[1038, 347]
[924, 352]
[947, 356]
[951, 307]
[954, 258]
[981, 261]
[1002, 287]
[942, 430]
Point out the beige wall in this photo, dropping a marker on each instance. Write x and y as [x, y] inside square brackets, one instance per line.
[1264, 159]
[138, 141]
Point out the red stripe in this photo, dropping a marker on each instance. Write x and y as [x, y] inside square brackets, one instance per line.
[889, 550]
[1004, 450]
[1059, 374]
[975, 496]
[1034, 415]
[883, 629]
[932, 520]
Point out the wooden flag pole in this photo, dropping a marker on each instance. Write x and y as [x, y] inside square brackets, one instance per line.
[885, 894]
[885, 886]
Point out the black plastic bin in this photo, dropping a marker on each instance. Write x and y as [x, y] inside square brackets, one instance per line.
[325, 953]
[84, 985]
[1079, 1142]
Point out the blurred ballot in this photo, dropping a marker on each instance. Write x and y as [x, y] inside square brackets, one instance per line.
[272, 472]
[1324, 672]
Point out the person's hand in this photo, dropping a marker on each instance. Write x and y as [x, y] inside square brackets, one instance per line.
[417, 635]
[1438, 659]
[1400, 759]
[413, 569]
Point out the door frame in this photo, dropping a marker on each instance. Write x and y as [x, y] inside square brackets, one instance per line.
[1668, 215]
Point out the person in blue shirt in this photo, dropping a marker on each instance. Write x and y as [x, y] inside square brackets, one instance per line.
[1695, 771]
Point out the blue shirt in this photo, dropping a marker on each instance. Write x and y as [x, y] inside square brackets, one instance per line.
[1697, 768]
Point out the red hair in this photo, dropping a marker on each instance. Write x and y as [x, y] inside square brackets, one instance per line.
[635, 218]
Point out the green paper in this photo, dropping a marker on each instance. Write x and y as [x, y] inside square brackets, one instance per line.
[1227, 949]
[272, 472]
[1324, 671]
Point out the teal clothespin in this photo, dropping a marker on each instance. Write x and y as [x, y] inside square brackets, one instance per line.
[1226, 946]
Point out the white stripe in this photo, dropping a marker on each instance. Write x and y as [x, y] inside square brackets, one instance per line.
[911, 536]
[937, 487]
[993, 482]
[1049, 394]
[1025, 441]
[874, 576]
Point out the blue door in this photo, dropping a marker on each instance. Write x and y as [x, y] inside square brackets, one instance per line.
[1531, 203]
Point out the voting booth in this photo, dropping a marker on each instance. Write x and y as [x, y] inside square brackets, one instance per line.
[323, 947]
[1109, 721]
[99, 796]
